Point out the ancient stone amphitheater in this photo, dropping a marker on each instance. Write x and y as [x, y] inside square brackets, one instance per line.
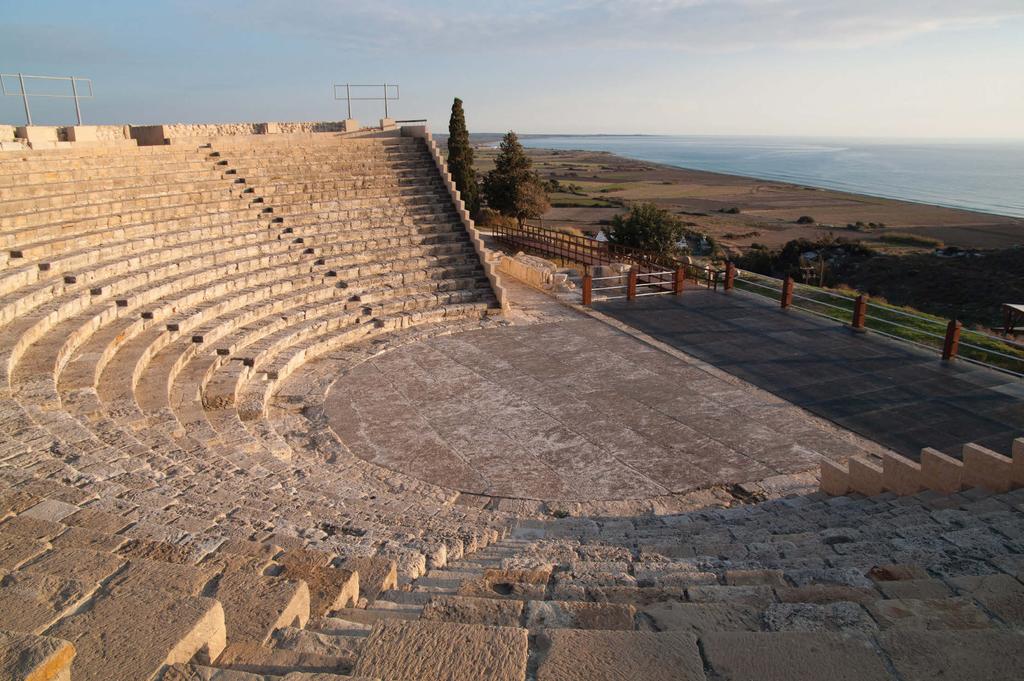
[203, 473]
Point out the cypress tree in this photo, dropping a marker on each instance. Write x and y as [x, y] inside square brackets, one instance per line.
[460, 159]
[512, 188]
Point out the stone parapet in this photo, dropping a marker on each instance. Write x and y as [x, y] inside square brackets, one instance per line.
[936, 472]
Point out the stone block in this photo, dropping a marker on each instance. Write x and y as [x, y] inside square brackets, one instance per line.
[841, 616]
[578, 615]
[376, 575]
[83, 565]
[442, 651]
[754, 577]
[254, 605]
[32, 602]
[16, 550]
[792, 656]
[134, 635]
[37, 134]
[82, 133]
[835, 480]
[34, 658]
[349, 125]
[901, 475]
[940, 472]
[1002, 595]
[257, 659]
[702, 618]
[985, 468]
[928, 614]
[928, 655]
[896, 572]
[329, 588]
[614, 655]
[825, 593]
[467, 610]
[865, 476]
[915, 589]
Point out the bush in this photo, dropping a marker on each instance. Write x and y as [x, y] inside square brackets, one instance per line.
[805, 220]
[648, 227]
[731, 211]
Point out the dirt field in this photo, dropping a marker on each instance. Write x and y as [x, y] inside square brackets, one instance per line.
[767, 210]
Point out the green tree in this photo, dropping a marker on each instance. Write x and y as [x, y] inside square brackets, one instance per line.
[513, 188]
[649, 227]
[460, 159]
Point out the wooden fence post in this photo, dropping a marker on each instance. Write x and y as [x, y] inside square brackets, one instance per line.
[860, 312]
[787, 292]
[952, 343]
[730, 275]
[631, 289]
[588, 288]
[678, 279]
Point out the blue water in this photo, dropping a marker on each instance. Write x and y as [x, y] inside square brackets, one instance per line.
[982, 176]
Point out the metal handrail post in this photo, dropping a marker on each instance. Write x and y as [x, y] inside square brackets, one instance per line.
[74, 94]
[385, 100]
[787, 292]
[24, 98]
[860, 310]
[951, 344]
[348, 96]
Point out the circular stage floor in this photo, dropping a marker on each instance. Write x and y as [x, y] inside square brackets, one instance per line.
[572, 410]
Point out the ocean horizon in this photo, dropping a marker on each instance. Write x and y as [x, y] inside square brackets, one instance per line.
[979, 175]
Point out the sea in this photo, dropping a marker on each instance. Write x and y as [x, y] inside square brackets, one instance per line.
[985, 176]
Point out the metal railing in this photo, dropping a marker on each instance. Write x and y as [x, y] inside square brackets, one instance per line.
[25, 94]
[589, 252]
[947, 337]
[349, 98]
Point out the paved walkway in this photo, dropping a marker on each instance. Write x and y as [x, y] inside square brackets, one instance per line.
[893, 393]
[564, 407]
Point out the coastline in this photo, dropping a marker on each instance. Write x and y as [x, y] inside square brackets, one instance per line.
[767, 208]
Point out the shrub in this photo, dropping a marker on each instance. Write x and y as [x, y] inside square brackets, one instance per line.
[805, 220]
[647, 226]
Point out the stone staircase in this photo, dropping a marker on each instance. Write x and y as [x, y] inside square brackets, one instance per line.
[934, 471]
[810, 587]
[151, 301]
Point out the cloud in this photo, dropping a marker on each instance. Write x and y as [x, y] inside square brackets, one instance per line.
[697, 25]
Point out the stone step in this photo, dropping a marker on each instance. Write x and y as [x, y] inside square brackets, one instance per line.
[255, 605]
[569, 654]
[978, 467]
[257, 659]
[320, 643]
[135, 634]
[372, 615]
[35, 658]
[435, 651]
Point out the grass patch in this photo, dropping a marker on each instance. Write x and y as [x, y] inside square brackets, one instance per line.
[904, 239]
[905, 323]
[566, 200]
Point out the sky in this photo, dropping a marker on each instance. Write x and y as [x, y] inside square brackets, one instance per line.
[847, 68]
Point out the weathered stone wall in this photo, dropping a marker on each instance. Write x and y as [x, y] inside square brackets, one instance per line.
[536, 272]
